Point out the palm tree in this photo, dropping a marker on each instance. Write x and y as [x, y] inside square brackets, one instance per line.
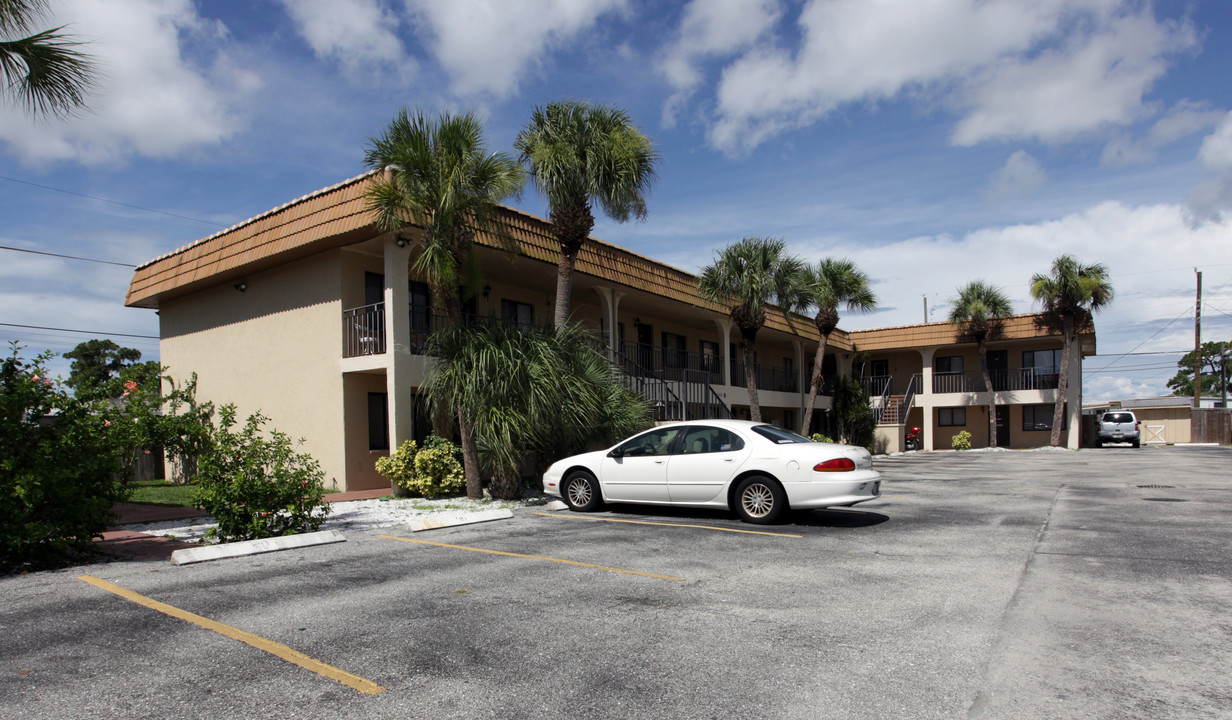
[439, 175]
[831, 284]
[580, 153]
[42, 71]
[745, 277]
[978, 311]
[531, 391]
[1071, 295]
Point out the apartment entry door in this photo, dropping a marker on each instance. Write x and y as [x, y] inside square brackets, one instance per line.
[645, 345]
[1003, 426]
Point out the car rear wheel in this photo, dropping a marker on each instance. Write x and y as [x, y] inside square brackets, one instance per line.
[581, 491]
[760, 500]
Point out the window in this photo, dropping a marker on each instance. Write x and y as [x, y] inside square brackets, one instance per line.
[1044, 367]
[710, 440]
[378, 421]
[952, 417]
[675, 350]
[710, 355]
[517, 313]
[374, 288]
[1039, 417]
[779, 436]
[655, 442]
[948, 365]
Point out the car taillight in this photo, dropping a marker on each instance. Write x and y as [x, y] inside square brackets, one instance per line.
[836, 465]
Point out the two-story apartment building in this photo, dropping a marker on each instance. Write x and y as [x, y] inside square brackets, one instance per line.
[311, 315]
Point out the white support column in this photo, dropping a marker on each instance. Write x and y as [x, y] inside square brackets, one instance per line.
[1073, 397]
[609, 302]
[398, 340]
[925, 397]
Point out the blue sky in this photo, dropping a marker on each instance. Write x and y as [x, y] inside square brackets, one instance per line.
[934, 142]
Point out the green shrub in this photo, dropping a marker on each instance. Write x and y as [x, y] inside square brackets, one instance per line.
[961, 441]
[59, 469]
[255, 484]
[431, 471]
[820, 437]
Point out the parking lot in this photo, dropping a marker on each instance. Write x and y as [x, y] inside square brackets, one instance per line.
[1046, 584]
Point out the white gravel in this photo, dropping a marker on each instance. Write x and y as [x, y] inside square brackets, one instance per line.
[355, 515]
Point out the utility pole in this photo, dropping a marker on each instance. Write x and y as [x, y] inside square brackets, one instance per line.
[1198, 344]
[925, 309]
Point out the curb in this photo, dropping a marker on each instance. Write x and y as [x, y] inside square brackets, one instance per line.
[442, 521]
[254, 547]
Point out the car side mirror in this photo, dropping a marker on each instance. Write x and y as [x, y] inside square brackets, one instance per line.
[616, 453]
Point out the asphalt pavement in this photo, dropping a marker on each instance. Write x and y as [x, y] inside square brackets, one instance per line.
[1095, 584]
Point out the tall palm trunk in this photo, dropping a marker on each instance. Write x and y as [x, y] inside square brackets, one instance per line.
[564, 283]
[750, 380]
[815, 385]
[992, 399]
[470, 451]
[1058, 410]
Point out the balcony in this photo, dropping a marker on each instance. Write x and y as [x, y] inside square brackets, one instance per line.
[363, 329]
[676, 364]
[1002, 380]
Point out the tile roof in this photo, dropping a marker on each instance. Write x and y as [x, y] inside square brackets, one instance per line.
[1016, 327]
[336, 216]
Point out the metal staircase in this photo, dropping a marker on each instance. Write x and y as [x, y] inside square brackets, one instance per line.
[692, 397]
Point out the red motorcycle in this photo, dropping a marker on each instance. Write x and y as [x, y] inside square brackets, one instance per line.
[913, 439]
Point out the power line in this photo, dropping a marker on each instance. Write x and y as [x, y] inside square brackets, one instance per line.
[84, 332]
[113, 202]
[70, 257]
[1144, 342]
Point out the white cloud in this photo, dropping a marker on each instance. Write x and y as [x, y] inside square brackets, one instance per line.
[1020, 177]
[487, 47]
[1046, 70]
[711, 28]
[1185, 119]
[357, 34]
[152, 98]
[1213, 197]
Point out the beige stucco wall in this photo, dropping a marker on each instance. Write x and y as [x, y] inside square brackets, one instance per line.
[290, 319]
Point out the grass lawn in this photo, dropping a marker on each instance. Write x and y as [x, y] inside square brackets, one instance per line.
[166, 494]
[161, 492]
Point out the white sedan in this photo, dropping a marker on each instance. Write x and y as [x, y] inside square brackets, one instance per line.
[758, 470]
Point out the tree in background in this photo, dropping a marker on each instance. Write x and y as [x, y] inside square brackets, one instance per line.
[1071, 294]
[529, 392]
[745, 277]
[1215, 370]
[829, 285]
[99, 364]
[979, 311]
[851, 417]
[580, 153]
[43, 70]
[441, 176]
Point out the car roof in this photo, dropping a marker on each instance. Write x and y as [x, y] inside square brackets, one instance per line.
[720, 422]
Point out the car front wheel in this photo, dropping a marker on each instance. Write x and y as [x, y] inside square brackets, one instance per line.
[581, 491]
[760, 500]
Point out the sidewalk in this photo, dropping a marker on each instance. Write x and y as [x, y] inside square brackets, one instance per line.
[128, 544]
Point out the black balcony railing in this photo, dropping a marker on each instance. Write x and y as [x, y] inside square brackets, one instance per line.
[363, 330]
[1002, 380]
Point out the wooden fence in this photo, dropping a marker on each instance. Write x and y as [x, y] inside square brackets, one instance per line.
[1209, 426]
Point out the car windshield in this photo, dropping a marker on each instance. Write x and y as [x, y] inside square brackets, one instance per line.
[779, 436]
[1118, 418]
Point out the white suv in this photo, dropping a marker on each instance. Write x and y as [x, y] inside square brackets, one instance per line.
[1119, 426]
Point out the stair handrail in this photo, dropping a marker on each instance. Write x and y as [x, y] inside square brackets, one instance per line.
[710, 398]
[908, 398]
[663, 399]
[882, 402]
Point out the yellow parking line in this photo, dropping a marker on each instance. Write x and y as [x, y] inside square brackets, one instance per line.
[682, 525]
[533, 557]
[260, 643]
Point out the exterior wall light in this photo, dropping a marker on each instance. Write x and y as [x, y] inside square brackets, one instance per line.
[241, 286]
